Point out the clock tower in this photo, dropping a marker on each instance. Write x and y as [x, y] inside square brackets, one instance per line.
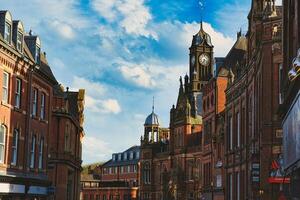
[201, 60]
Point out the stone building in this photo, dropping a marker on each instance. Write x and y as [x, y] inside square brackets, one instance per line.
[27, 94]
[116, 179]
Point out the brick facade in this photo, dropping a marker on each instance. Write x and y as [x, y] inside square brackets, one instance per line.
[27, 94]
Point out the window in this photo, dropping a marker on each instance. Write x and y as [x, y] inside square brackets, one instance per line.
[18, 93]
[146, 173]
[41, 150]
[230, 137]
[119, 157]
[280, 76]
[7, 32]
[19, 41]
[137, 155]
[111, 197]
[97, 197]
[2, 142]
[5, 87]
[230, 185]
[128, 169]
[238, 119]
[238, 185]
[37, 54]
[15, 147]
[114, 157]
[104, 197]
[131, 155]
[122, 170]
[125, 156]
[32, 152]
[43, 106]
[67, 137]
[134, 168]
[34, 102]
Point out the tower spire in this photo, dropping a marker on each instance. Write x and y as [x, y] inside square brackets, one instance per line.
[153, 105]
[201, 4]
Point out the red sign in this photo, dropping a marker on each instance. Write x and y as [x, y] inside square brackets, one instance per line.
[278, 180]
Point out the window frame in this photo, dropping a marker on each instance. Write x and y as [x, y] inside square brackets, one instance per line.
[14, 159]
[5, 87]
[35, 102]
[18, 93]
[41, 153]
[3, 144]
[19, 44]
[43, 105]
[7, 35]
[32, 152]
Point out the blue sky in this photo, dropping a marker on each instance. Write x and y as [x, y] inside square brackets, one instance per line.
[123, 52]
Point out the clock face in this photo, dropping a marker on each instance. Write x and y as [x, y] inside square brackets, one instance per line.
[204, 59]
[193, 60]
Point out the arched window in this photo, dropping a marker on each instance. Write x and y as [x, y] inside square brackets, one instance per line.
[2, 142]
[41, 151]
[14, 157]
[146, 173]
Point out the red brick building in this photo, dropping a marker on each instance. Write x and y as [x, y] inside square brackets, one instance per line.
[213, 119]
[27, 94]
[253, 137]
[65, 143]
[117, 179]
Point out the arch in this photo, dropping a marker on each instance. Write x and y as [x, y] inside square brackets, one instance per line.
[3, 132]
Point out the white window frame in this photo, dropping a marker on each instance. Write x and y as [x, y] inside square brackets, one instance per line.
[41, 152]
[43, 102]
[32, 152]
[34, 102]
[18, 93]
[7, 32]
[20, 41]
[2, 145]
[5, 87]
[15, 147]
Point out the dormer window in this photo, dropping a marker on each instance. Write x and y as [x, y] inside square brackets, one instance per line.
[119, 157]
[125, 156]
[131, 155]
[38, 54]
[19, 41]
[7, 32]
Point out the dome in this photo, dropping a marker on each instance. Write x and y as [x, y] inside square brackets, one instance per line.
[152, 119]
[201, 37]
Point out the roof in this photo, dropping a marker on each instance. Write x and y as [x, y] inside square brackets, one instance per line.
[135, 160]
[201, 37]
[152, 119]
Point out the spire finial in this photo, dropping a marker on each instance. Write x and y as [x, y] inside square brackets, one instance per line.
[201, 4]
[153, 105]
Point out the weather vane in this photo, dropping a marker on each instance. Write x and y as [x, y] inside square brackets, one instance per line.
[202, 7]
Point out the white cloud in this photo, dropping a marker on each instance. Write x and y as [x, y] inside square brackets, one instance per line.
[132, 15]
[94, 101]
[92, 88]
[63, 29]
[137, 75]
[106, 106]
[95, 148]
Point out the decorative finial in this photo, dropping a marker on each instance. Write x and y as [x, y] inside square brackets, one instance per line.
[30, 32]
[153, 105]
[201, 4]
